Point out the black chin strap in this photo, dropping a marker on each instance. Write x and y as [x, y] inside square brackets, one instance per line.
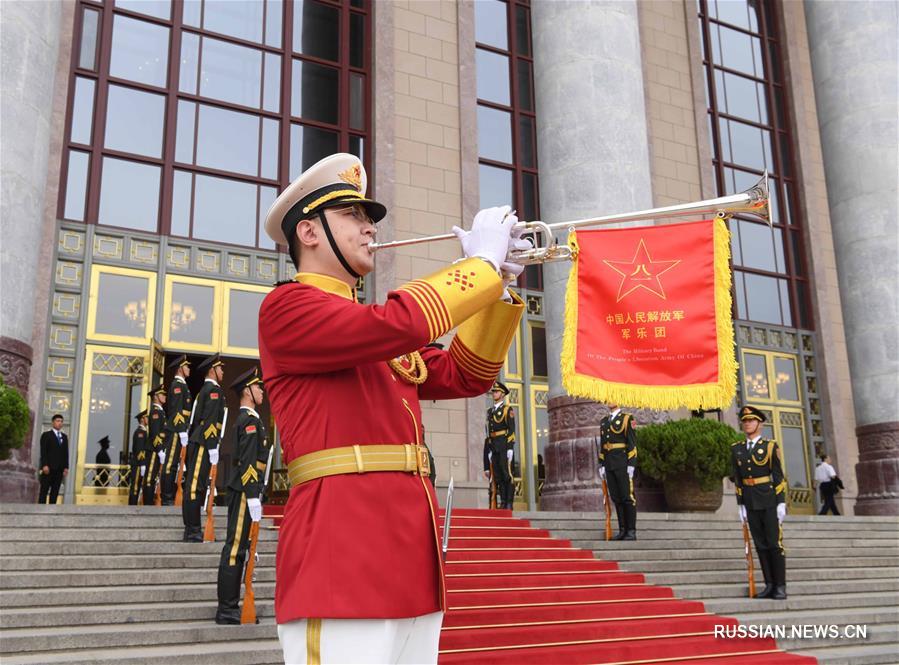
[343, 261]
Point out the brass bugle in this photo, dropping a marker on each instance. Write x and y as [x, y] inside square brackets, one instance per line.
[753, 201]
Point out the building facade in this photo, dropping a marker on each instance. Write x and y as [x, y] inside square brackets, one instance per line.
[145, 139]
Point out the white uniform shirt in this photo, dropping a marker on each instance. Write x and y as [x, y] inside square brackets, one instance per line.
[824, 473]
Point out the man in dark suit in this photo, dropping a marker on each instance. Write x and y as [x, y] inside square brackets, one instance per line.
[54, 462]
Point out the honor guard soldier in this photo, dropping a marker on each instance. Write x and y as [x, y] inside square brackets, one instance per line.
[761, 498]
[359, 570]
[617, 463]
[178, 405]
[203, 446]
[251, 456]
[501, 445]
[155, 452]
[140, 450]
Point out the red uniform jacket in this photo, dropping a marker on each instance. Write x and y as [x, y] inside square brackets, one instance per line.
[366, 545]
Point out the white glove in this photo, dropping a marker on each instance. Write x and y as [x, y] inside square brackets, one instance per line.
[213, 456]
[255, 506]
[781, 512]
[143, 470]
[490, 236]
[161, 455]
[183, 437]
[602, 472]
[630, 472]
[742, 510]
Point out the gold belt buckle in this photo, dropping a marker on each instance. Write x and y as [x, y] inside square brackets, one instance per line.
[424, 462]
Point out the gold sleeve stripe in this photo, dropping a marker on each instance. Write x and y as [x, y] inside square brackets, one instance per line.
[210, 432]
[423, 306]
[248, 475]
[632, 453]
[490, 331]
[178, 419]
[443, 316]
[438, 318]
[471, 364]
[781, 487]
[739, 490]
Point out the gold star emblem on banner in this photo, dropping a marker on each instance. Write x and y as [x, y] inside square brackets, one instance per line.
[641, 272]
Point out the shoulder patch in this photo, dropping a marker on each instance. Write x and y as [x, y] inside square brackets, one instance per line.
[177, 390]
[251, 429]
[213, 395]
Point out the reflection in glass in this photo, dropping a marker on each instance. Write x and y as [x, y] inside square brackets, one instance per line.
[785, 311]
[734, 13]
[190, 50]
[231, 73]
[83, 110]
[757, 249]
[184, 141]
[741, 96]
[128, 109]
[273, 13]
[522, 31]
[243, 318]
[238, 18]
[316, 30]
[181, 191]
[490, 23]
[745, 145]
[492, 76]
[542, 422]
[224, 210]
[87, 59]
[525, 86]
[271, 90]
[114, 401]
[785, 376]
[527, 137]
[794, 455]
[357, 40]
[313, 94]
[357, 146]
[755, 377]
[122, 305]
[190, 316]
[539, 365]
[528, 197]
[494, 134]
[129, 194]
[267, 196]
[763, 299]
[740, 291]
[307, 146]
[512, 359]
[228, 140]
[495, 186]
[158, 8]
[269, 156]
[192, 12]
[76, 185]
[735, 251]
[736, 50]
[140, 51]
[357, 101]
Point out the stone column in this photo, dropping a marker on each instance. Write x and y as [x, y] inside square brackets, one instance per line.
[853, 55]
[594, 160]
[29, 57]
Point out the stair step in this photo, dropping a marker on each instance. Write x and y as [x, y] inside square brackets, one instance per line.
[738, 605]
[91, 548]
[736, 561]
[137, 578]
[812, 588]
[793, 575]
[234, 652]
[856, 654]
[151, 560]
[174, 593]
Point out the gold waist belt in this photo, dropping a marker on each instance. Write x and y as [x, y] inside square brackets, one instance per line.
[498, 432]
[756, 481]
[613, 446]
[359, 459]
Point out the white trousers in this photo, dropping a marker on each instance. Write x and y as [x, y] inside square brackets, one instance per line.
[322, 641]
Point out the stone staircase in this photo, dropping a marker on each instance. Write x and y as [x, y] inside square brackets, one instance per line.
[840, 571]
[114, 584]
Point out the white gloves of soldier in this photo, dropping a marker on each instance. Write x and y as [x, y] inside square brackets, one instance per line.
[183, 437]
[143, 470]
[491, 238]
[630, 472]
[161, 455]
[255, 508]
[742, 510]
[602, 472]
[781, 512]
[213, 456]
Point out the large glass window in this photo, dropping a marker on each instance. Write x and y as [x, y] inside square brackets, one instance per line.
[187, 117]
[128, 304]
[507, 138]
[747, 111]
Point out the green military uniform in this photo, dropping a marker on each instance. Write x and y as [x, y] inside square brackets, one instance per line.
[251, 457]
[138, 458]
[178, 405]
[618, 456]
[760, 487]
[499, 448]
[205, 435]
[155, 441]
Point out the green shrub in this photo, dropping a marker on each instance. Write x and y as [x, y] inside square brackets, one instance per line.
[695, 446]
[14, 419]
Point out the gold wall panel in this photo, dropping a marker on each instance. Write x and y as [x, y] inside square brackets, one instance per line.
[208, 261]
[144, 252]
[108, 247]
[67, 305]
[68, 273]
[178, 257]
[239, 266]
[71, 242]
[63, 338]
[60, 370]
[266, 269]
[57, 402]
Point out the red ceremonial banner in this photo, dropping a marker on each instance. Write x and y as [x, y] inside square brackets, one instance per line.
[648, 317]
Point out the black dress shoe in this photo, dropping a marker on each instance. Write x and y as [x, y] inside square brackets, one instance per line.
[227, 621]
[766, 592]
[779, 593]
[630, 535]
[618, 536]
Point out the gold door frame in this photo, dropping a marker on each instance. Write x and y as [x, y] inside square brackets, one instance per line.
[116, 491]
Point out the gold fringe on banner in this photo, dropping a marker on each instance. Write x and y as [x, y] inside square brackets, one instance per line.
[717, 395]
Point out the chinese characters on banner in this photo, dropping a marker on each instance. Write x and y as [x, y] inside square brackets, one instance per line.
[648, 317]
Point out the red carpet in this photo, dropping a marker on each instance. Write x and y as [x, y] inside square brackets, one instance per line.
[517, 594]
